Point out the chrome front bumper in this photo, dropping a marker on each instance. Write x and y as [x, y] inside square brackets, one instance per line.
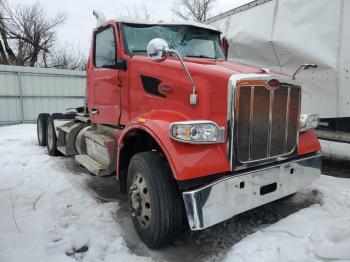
[231, 195]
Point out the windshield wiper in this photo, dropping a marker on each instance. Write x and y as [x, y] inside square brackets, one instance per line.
[138, 51]
[200, 56]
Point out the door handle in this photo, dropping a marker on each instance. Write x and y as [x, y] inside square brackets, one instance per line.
[95, 111]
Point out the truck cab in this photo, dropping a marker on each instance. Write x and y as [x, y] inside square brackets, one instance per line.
[187, 133]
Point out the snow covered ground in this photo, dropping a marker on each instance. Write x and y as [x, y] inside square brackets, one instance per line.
[51, 210]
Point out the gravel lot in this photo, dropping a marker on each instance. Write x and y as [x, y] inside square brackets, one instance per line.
[337, 168]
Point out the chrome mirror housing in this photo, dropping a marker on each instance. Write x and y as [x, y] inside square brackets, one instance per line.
[157, 49]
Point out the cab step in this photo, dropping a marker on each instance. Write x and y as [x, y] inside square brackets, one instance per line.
[92, 165]
[100, 155]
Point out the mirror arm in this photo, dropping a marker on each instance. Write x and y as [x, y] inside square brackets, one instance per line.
[305, 67]
[158, 50]
[193, 97]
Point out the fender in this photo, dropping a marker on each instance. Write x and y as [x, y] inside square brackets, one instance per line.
[187, 161]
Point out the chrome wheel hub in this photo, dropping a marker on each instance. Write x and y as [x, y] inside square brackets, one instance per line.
[140, 202]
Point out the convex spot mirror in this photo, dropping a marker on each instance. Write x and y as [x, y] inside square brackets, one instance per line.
[157, 49]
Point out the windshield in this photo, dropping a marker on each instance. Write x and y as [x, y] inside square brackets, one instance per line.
[189, 41]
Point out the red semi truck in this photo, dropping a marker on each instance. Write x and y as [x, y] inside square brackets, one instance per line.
[191, 137]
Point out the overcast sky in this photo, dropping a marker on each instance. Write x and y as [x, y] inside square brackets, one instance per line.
[77, 29]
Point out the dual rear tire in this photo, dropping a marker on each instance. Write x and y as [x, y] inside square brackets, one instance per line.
[41, 126]
[46, 133]
[51, 142]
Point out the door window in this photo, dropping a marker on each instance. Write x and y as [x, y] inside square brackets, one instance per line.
[105, 48]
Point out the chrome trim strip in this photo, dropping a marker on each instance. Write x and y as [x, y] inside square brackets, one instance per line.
[278, 158]
[231, 195]
[287, 117]
[299, 113]
[251, 116]
[268, 148]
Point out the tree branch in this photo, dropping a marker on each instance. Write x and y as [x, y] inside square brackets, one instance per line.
[196, 10]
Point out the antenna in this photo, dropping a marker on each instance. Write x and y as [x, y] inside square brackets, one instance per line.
[100, 18]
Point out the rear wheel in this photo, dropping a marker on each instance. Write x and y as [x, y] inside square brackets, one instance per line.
[51, 138]
[155, 204]
[41, 128]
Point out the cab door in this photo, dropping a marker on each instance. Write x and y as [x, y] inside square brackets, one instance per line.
[104, 90]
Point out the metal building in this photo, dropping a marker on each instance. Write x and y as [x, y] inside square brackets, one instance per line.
[26, 91]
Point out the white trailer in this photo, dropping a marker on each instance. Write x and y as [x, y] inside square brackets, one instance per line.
[282, 34]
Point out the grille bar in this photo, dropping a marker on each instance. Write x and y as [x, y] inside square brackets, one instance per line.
[266, 122]
[287, 117]
[251, 122]
[272, 94]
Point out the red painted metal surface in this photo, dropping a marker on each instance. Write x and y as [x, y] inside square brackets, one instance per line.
[121, 99]
[187, 161]
[104, 88]
[308, 143]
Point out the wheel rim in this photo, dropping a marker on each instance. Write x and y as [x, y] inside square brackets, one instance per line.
[40, 130]
[50, 136]
[140, 201]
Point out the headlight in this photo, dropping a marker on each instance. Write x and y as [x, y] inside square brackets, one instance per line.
[197, 132]
[308, 121]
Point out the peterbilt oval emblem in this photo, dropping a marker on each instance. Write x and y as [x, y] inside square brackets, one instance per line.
[165, 88]
[273, 84]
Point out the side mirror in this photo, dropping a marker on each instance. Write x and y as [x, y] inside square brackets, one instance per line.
[157, 49]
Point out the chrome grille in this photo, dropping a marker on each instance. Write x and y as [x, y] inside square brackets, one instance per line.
[266, 121]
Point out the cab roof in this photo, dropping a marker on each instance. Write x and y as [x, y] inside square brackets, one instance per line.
[145, 22]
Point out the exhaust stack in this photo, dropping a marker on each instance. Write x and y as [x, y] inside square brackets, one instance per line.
[100, 18]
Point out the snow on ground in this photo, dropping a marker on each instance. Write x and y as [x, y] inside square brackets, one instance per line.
[48, 212]
[318, 233]
[43, 217]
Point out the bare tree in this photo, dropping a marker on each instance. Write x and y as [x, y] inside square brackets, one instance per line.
[26, 33]
[64, 57]
[137, 12]
[196, 10]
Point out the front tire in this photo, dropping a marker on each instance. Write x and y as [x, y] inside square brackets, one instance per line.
[156, 206]
[51, 137]
[41, 128]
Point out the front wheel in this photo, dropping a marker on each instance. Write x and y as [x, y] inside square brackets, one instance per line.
[156, 207]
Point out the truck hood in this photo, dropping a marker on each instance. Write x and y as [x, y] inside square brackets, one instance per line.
[229, 67]
[211, 78]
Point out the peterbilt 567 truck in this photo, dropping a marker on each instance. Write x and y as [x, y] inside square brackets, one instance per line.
[192, 138]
